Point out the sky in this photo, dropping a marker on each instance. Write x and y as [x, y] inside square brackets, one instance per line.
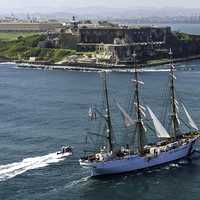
[60, 5]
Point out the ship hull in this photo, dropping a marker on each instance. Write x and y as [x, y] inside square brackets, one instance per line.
[135, 162]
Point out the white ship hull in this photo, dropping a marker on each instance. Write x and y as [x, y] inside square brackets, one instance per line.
[136, 162]
[63, 155]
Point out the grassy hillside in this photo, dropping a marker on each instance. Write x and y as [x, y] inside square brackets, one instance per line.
[9, 36]
[23, 48]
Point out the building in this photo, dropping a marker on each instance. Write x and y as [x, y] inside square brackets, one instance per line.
[29, 27]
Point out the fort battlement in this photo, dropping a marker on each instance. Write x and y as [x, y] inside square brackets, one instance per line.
[118, 43]
[114, 35]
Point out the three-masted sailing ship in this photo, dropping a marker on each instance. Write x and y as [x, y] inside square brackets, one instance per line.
[171, 145]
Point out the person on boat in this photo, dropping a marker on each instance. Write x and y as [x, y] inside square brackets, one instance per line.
[63, 149]
[155, 152]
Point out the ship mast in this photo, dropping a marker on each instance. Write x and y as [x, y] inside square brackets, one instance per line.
[108, 116]
[174, 119]
[139, 123]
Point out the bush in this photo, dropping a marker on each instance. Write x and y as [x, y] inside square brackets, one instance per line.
[184, 36]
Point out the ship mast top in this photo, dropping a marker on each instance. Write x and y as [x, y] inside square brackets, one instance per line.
[139, 124]
[174, 116]
[139, 118]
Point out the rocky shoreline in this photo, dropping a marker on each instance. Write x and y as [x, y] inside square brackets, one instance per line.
[86, 66]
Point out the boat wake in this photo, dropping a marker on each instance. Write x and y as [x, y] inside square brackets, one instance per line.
[11, 170]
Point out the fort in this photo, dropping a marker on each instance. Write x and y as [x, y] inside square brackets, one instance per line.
[118, 43]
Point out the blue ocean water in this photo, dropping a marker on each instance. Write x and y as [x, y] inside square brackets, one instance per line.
[187, 28]
[41, 110]
[181, 27]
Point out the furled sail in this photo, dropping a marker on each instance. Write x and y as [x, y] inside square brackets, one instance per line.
[91, 113]
[177, 105]
[191, 121]
[142, 109]
[178, 120]
[160, 130]
[128, 121]
[140, 82]
[173, 76]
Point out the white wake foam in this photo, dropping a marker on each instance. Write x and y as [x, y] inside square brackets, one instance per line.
[77, 182]
[86, 69]
[11, 170]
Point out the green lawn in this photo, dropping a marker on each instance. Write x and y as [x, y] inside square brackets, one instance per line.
[9, 36]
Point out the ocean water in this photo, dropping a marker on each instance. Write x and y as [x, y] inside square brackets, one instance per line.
[41, 110]
[182, 27]
[186, 28]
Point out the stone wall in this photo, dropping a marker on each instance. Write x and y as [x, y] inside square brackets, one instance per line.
[68, 41]
[124, 53]
[60, 40]
[130, 35]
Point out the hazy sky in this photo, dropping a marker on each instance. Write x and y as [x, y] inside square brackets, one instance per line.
[36, 5]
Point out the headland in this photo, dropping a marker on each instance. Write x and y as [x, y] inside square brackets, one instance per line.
[102, 45]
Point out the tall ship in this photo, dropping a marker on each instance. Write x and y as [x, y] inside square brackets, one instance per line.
[171, 142]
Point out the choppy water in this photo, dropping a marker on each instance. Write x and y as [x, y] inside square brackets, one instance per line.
[41, 110]
[182, 27]
[186, 28]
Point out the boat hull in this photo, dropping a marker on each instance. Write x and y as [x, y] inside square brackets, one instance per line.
[135, 162]
[63, 155]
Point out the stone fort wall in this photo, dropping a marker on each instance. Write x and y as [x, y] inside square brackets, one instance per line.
[107, 35]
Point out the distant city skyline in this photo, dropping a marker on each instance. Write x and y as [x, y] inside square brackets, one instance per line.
[63, 5]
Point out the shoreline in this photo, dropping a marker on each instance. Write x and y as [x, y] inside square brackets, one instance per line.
[87, 66]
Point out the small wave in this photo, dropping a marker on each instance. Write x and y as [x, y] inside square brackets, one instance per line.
[154, 70]
[28, 68]
[8, 63]
[174, 165]
[90, 69]
[77, 182]
[11, 170]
